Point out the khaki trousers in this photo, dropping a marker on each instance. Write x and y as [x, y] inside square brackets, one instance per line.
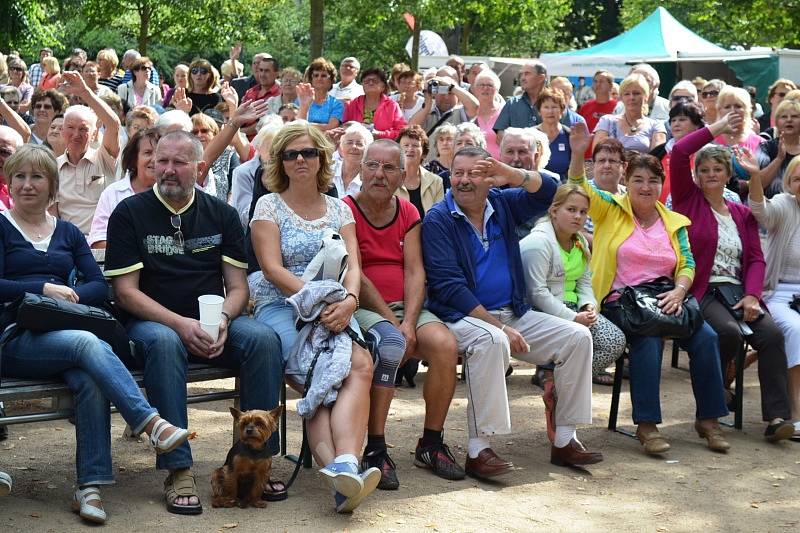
[486, 354]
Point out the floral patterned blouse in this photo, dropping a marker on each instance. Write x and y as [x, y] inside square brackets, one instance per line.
[300, 239]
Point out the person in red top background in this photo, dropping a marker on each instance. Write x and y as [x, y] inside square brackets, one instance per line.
[266, 87]
[379, 113]
[601, 104]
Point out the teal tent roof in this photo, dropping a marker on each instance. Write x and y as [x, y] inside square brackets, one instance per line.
[658, 36]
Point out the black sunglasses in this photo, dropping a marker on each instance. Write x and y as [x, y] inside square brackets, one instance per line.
[142, 67]
[709, 94]
[20, 69]
[307, 153]
[199, 70]
[177, 237]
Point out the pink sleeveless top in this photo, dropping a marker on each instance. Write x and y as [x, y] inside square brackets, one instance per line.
[644, 256]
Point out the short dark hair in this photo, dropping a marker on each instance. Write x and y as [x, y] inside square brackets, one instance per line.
[415, 132]
[375, 71]
[274, 62]
[609, 144]
[690, 110]
[59, 101]
[647, 162]
[471, 151]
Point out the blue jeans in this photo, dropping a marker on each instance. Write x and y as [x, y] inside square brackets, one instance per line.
[704, 369]
[96, 376]
[281, 317]
[252, 348]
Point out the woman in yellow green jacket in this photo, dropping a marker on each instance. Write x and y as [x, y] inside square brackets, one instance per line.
[637, 240]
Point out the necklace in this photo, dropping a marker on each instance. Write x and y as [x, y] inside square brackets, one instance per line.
[31, 229]
[632, 127]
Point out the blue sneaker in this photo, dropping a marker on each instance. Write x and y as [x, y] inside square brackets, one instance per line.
[343, 478]
[370, 479]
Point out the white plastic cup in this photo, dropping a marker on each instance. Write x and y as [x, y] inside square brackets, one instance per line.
[210, 308]
[211, 329]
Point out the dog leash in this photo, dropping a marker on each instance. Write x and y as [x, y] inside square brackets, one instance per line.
[305, 450]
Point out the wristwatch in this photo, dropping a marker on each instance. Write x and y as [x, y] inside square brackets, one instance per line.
[526, 179]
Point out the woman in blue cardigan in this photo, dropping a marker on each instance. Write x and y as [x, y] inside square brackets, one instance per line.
[38, 254]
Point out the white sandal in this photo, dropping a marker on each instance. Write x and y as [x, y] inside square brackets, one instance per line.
[80, 505]
[168, 444]
[5, 484]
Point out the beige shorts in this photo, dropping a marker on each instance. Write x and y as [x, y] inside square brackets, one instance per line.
[367, 319]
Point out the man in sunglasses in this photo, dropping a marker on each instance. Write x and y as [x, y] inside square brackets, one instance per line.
[166, 247]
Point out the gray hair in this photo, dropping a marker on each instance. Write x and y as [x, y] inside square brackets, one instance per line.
[11, 134]
[488, 73]
[82, 112]
[196, 147]
[388, 143]
[469, 128]
[10, 89]
[359, 129]
[172, 118]
[352, 60]
[684, 85]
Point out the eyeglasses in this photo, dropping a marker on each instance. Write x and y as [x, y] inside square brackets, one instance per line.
[43, 106]
[307, 153]
[485, 85]
[350, 144]
[289, 83]
[607, 162]
[199, 70]
[177, 237]
[681, 98]
[371, 81]
[779, 95]
[136, 69]
[709, 94]
[20, 69]
[388, 168]
[322, 75]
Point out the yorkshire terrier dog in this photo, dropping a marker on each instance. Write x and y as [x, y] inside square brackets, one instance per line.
[241, 480]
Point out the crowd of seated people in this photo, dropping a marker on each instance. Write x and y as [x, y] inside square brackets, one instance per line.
[465, 229]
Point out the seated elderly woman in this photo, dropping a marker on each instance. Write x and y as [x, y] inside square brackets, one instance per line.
[347, 167]
[287, 228]
[468, 134]
[781, 217]
[729, 265]
[633, 128]
[290, 78]
[708, 98]
[441, 155]
[551, 105]
[205, 128]
[139, 119]
[783, 148]
[316, 105]
[682, 92]
[44, 106]
[18, 77]
[87, 364]
[555, 260]
[421, 187]
[486, 87]
[379, 113]
[637, 240]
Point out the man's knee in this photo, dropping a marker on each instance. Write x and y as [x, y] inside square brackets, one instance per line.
[259, 339]
[438, 346]
[157, 345]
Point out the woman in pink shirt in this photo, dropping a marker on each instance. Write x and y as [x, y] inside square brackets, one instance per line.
[379, 113]
[486, 86]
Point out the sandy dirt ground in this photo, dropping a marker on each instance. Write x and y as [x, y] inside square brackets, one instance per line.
[752, 488]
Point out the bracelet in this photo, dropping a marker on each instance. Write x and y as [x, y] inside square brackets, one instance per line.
[526, 179]
[504, 327]
[685, 290]
[355, 297]
[227, 316]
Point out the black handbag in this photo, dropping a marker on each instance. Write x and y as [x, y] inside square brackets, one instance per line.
[729, 294]
[636, 312]
[36, 312]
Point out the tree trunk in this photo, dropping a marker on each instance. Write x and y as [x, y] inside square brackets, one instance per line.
[145, 11]
[415, 43]
[466, 32]
[317, 9]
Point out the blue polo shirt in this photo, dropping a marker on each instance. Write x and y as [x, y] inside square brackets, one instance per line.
[493, 287]
[519, 112]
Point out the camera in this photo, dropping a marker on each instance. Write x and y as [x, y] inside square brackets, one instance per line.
[795, 304]
[436, 87]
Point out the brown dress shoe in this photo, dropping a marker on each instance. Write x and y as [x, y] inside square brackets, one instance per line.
[487, 465]
[574, 454]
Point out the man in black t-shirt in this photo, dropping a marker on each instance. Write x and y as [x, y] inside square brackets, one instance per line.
[166, 247]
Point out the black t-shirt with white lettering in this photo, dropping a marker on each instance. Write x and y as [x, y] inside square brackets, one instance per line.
[141, 236]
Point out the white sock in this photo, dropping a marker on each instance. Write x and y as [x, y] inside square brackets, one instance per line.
[564, 434]
[477, 445]
[797, 426]
[348, 458]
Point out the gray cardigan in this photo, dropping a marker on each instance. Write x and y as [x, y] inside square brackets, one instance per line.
[544, 273]
[781, 217]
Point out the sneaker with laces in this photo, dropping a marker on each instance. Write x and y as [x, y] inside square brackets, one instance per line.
[438, 459]
[347, 504]
[380, 459]
[343, 478]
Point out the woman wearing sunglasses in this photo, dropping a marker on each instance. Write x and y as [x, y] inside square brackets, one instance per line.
[18, 77]
[203, 86]
[139, 91]
[287, 227]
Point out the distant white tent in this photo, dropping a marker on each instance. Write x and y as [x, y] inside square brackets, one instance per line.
[658, 37]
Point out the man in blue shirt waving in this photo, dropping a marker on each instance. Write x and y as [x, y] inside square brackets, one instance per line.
[476, 286]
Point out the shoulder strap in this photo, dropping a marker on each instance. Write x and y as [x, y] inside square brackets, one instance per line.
[441, 120]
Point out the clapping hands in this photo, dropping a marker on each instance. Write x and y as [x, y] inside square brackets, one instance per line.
[305, 93]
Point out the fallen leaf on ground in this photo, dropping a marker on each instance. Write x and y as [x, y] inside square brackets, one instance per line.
[36, 515]
[230, 526]
[192, 436]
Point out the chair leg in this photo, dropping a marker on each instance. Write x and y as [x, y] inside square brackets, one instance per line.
[616, 390]
[283, 418]
[739, 388]
[675, 354]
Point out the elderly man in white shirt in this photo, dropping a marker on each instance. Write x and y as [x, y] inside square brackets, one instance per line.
[347, 88]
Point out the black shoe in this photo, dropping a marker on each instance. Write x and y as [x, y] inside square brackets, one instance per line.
[438, 459]
[538, 378]
[3, 429]
[779, 431]
[509, 370]
[380, 459]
